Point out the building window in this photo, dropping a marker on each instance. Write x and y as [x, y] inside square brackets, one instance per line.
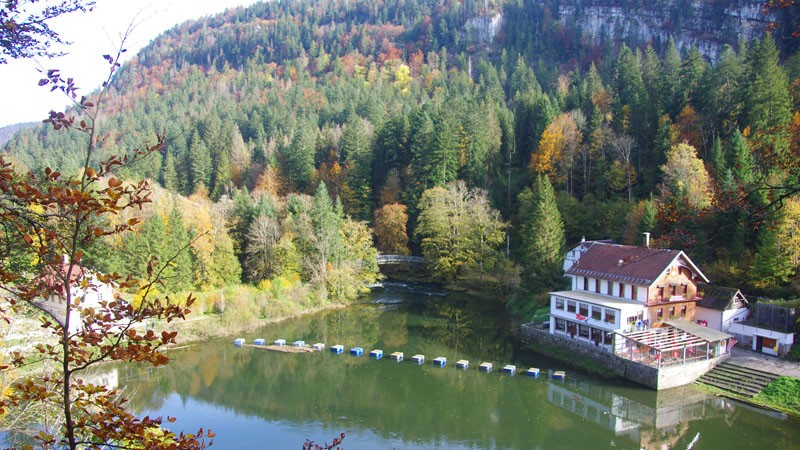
[661, 293]
[583, 309]
[684, 289]
[559, 303]
[561, 325]
[671, 312]
[672, 290]
[597, 336]
[608, 339]
[597, 285]
[583, 331]
[571, 306]
[611, 317]
[622, 290]
[597, 313]
[585, 284]
[683, 311]
[609, 287]
[660, 313]
[633, 292]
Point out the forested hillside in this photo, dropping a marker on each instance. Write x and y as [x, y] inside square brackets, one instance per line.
[368, 105]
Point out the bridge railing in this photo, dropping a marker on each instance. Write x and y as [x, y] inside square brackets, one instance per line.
[401, 259]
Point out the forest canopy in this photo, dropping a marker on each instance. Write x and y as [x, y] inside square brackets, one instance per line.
[380, 102]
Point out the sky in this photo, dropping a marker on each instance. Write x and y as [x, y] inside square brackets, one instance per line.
[91, 35]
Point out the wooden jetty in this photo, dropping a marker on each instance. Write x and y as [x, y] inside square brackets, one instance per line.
[283, 348]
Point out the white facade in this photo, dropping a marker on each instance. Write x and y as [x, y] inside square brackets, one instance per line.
[766, 341]
[592, 317]
[90, 296]
[720, 320]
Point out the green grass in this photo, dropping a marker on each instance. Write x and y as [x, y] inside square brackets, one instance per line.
[783, 393]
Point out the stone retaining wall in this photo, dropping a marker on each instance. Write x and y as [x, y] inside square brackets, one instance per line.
[667, 377]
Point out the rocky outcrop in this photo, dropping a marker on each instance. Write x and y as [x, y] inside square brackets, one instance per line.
[708, 25]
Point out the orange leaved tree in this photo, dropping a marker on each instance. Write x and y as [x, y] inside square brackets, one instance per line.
[49, 219]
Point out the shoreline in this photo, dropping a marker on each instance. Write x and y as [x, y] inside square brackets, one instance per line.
[193, 331]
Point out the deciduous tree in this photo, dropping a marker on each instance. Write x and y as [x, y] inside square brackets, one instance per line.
[390, 224]
[59, 216]
[685, 181]
[25, 26]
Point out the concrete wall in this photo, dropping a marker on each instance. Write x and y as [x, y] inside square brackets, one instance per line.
[541, 341]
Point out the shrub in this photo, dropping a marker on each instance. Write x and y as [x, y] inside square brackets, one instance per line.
[783, 392]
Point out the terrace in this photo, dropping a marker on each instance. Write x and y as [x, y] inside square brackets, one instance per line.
[675, 343]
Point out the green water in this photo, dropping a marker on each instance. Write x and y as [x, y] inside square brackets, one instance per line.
[258, 399]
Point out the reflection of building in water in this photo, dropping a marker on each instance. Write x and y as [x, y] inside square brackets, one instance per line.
[651, 421]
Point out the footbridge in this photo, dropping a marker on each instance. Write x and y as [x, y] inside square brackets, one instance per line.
[402, 259]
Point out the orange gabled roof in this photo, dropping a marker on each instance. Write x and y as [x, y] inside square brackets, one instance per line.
[636, 265]
[54, 284]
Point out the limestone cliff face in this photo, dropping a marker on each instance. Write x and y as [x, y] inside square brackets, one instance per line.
[709, 24]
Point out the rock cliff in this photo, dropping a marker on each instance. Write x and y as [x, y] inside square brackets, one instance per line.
[709, 25]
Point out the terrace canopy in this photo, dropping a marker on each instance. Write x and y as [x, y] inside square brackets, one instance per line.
[676, 342]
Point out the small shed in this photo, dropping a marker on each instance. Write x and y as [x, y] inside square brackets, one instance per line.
[720, 306]
[769, 328]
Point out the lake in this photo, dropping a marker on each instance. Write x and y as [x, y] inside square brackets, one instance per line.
[259, 399]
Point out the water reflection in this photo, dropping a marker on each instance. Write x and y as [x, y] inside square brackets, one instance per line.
[251, 396]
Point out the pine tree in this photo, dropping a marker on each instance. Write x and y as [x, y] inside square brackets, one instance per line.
[542, 236]
[742, 162]
[299, 157]
[674, 93]
[169, 173]
[199, 164]
[767, 102]
[177, 274]
[326, 220]
[357, 156]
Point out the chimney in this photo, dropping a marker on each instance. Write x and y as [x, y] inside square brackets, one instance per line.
[646, 239]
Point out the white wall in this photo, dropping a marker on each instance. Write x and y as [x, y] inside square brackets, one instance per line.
[712, 316]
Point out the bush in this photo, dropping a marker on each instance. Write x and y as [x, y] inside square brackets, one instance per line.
[783, 392]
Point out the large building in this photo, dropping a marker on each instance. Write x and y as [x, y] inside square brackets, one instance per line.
[623, 289]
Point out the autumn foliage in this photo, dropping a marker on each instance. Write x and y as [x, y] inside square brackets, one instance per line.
[55, 218]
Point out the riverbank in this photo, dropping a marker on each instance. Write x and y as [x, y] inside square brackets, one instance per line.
[198, 329]
[243, 309]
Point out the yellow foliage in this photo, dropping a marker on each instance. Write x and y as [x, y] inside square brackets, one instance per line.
[402, 78]
[144, 291]
[549, 151]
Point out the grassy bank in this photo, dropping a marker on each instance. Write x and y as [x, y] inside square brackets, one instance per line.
[242, 308]
[782, 395]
